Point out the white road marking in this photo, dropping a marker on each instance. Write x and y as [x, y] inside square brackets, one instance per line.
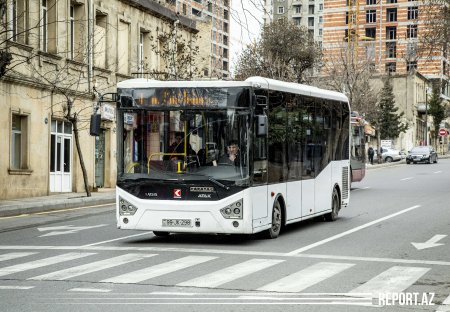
[100, 290]
[42, 263]
[15, 255]
[445, 306]
[358, 228]
[231, 273]
[307, 277]
[91, 267]
[359, 189]
[66, 229]
[393, 280]
[432, 242]
[405, 179]
[16, 287]
[440, 171]
[230, 252]
[158, 270]
[116, 239]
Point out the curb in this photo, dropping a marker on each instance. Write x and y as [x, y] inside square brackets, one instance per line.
[55, 204]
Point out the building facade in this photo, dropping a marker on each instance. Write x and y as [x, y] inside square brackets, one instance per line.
[215, 16]
[64, 55]
[305, 13]
[388, 36]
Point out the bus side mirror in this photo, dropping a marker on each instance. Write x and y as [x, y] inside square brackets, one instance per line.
[96, 121]
[261, 127]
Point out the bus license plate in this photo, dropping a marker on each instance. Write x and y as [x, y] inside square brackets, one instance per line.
[176, 222]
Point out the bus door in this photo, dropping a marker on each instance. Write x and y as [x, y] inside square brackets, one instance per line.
[308, 157]
[260, 187]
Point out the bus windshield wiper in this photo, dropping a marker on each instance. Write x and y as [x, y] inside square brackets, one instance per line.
[218, 183]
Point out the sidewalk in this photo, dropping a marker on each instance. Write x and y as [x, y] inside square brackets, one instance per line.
[18, 206]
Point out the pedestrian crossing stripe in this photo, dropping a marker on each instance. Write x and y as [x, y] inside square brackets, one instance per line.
[158, 270]
[15, 255]
[394, 279]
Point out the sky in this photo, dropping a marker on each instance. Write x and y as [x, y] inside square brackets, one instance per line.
[246, 19]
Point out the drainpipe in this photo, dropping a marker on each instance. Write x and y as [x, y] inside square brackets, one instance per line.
[89, 45]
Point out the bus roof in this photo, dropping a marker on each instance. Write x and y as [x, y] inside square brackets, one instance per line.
[297, 88]
[150, 83]
[257, 82]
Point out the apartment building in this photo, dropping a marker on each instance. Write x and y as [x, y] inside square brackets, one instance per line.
[388, 36]
[212, 15]
[64, 53]
[307, 13]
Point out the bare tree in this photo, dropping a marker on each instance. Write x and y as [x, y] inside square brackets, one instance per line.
[285, 52]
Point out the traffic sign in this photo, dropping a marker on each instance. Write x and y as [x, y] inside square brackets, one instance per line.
[443, 132]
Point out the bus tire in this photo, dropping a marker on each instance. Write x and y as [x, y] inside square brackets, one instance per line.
[335, 206]
[277, 219]
[161, 234]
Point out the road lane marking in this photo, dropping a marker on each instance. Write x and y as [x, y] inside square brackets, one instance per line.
[358, 228]
[116, 239]
[440, 171]
[16, 287]
[158, 270]
[15, 255]
[231, 252]
[307, 277]
[91, 267]
[231, 273]
[393, 280]
[42, 263]
[406, 179]
[359, 189]
[94, 290]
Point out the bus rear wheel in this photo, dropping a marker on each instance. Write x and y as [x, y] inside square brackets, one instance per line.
[335, 206]
[161, 234]
[277, 218]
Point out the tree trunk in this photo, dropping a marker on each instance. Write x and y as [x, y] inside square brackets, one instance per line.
[379, 156]
[80, 156]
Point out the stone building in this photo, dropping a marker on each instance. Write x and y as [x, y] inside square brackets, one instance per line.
[64, 54]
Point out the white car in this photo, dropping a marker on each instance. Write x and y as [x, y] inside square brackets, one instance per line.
[390, 155]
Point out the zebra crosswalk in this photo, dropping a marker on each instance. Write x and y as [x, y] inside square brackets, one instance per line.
[204, 271]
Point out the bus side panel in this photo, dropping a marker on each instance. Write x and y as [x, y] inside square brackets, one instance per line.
[258, 195]
[337, 178]
[294, 200]
[324, 189]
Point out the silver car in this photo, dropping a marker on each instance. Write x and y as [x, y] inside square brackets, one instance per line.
[390, 155]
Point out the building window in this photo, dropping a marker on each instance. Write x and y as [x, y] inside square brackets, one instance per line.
[225, 27]
[391, 1]
[44, 26]
[226, 15]
[71, 32]
[411, 31]
[225, 40]
[122, 47]
[184, 9]
[391, 33]
[19, 142]
[100, 40]
[48, 25]
[391, 49]
[141, 54]
[371, 32]
[298, 9]
[76, 33]
[311, 9]
[311, 21]
[391, 14]
[297, 21]
[321, 7]
[371, 16]
[210, 7]
[371, 2]
[413, 13]
[281, 10]
[391, 67]
[17, 20]
[196, 12]
[411, 66]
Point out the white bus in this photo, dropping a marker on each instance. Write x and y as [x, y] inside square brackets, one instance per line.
[175, 174]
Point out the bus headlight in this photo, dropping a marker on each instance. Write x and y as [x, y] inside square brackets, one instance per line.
[233, 211]
[125, 208]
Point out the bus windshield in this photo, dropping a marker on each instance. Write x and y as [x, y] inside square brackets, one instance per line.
[184, 144]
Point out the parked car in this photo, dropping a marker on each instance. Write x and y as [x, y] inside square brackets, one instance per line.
[422, 154]
[389, 155]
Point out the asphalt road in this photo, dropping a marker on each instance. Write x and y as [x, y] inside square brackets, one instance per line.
[364, 261]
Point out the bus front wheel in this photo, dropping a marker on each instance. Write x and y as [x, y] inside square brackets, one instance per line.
[335, 206]
[275, 228]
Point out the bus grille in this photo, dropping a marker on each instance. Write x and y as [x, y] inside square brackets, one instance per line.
[345, 183]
